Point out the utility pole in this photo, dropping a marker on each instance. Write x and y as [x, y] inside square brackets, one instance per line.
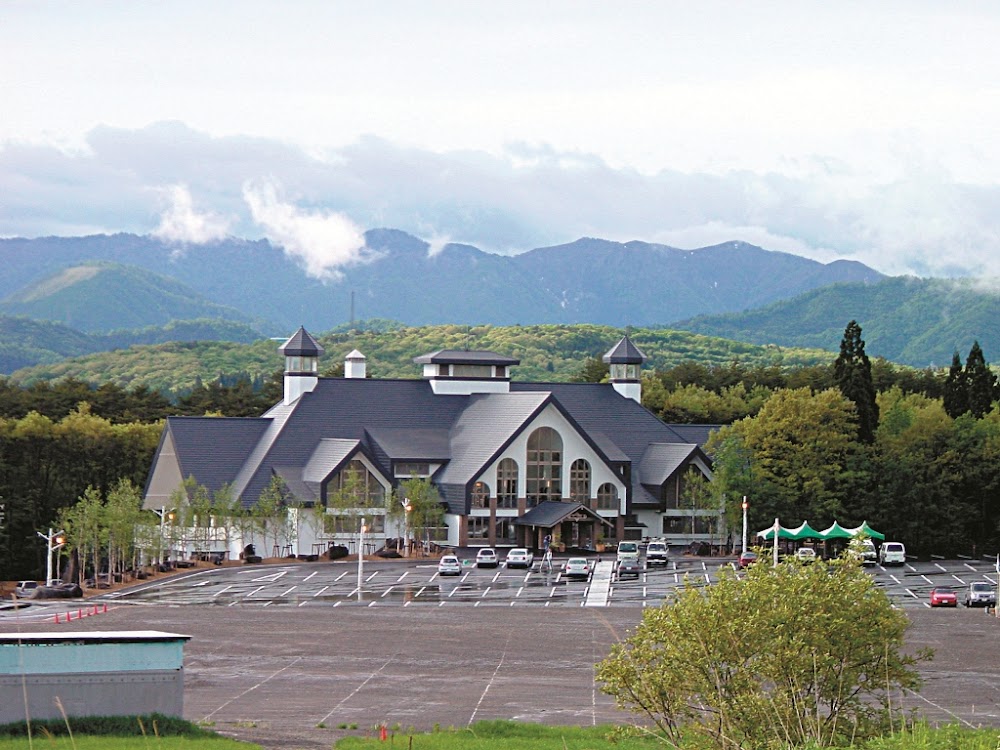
[745, 505]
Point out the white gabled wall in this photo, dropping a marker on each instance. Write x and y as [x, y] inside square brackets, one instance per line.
[574, 447]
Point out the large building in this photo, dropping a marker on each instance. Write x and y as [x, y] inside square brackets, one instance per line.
[512, 462]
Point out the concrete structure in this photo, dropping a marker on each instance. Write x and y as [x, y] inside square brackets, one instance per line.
[118, 673]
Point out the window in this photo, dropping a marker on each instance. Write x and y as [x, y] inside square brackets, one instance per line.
[478, 528]
[506, 531]
[412, 470]
[607, 497]
[357, 486]
[677, 524]
[544, 469]
[481, 495]
[579, 481]
[507, 484]
[472, 371]
[334, 524]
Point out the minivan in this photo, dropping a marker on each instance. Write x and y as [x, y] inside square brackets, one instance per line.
[892, 553]
[628, 549]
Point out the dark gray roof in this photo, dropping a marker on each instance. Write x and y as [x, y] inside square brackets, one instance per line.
[328, 456]
[292, 477]
[459, 356]
[549, 513]
[695, 433]
[212, 449]
[301, 344]
[412, 443]
[624, 353]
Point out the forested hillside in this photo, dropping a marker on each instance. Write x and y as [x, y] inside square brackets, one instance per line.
[919, 322]
[551, 352]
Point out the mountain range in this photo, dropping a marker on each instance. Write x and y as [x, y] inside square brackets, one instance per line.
[105, 291]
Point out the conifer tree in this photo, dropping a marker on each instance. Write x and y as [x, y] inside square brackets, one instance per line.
[980, 382]
[956, 390]
[853, 373]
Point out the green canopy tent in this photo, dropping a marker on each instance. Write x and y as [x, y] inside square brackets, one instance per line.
[868, 531]
[783, 533]
[835, 531]
[805, 531]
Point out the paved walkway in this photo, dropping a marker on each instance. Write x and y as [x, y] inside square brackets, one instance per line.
[600, 585]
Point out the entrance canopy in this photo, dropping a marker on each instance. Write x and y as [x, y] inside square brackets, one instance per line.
[551, 513]
[805, 531]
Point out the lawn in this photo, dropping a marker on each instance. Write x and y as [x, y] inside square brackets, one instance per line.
[91, 742]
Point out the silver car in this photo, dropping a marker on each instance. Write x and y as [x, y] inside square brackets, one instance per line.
[520, 557]
[981, 594]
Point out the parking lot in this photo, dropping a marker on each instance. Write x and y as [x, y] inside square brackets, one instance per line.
[417, 584]
[294, 655]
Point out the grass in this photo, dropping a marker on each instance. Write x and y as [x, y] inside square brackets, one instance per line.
[92, 742]
[509, 735]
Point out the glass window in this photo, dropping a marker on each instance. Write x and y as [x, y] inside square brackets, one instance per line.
[579, 481]
[472, 371]
[481, 495]
[607, 497]
[478, 528]
[544, 467]
[412, 470]
[348, 524]
[506, 531]
[677, 524]
[358, 487]
[507, 484]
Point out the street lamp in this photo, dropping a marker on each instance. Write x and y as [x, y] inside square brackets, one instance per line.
[361, 555]
[745, 505]
[53, 543]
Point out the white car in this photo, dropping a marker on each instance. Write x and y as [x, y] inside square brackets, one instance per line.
[25, 589]
[449, 565]
[519, 557]
[487, 558]
[577, 567]
[892, 553]
[806, 554]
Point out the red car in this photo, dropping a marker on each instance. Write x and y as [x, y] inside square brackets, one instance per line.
[746, 559]
[942, 596]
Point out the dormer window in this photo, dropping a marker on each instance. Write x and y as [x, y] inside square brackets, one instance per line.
[624, 371]
[472, 371]
[301, 364]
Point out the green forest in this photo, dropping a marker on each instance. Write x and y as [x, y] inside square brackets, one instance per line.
[916, 453]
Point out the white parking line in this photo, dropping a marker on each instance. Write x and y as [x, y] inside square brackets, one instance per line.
[898, 582]
[320, 591]
[486, 592]
[911, 593]
[518, 592]
[272, 577]
[971, 568]
[422, 588]
[371, 604]
[403, 576]
[552, 592]
[247, 596]
[452, 592]
[940, 567]
[221, 591]
[386, 592]
[927, 579]
[340, 576]
[497, 576]
[309, 576]
[371, 576]
[958, 579]
[286, 593]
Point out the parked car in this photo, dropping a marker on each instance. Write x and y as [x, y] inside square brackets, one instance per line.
[24, 589]
[487, 558]
[630, 567]
[520, 557]
[449, 565]
[577, 567]
[981, 594]
[943, 596]
[657, 553]
[892, 553]
[746, 559]
[628, 549]
[806, 554]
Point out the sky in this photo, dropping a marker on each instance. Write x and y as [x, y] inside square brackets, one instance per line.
[856, 130]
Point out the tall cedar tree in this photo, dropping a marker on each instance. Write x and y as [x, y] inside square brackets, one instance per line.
[853, 373]
[956, 389]
[980, 381]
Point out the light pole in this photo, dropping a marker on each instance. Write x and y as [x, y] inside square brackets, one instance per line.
[407, 507]
[745, 505]
[361, 555]
[53, 543]
[777, 528]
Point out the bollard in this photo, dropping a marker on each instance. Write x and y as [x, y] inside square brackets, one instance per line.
[105, 607]
[383, 734]
[57, 618]
[79, 614]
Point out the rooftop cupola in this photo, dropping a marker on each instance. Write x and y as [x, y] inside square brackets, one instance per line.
[355, 366]
[302, 353]
[625, 360]
[453, 371]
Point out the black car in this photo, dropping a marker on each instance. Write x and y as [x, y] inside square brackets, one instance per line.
[630, 567]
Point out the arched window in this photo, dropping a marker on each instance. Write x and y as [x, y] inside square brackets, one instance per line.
[544, 469]
[481, 495]
[607, 497]
[579, 481]
[507, 484]
[356, 487]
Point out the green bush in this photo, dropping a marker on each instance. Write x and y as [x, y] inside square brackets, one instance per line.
[119, 726]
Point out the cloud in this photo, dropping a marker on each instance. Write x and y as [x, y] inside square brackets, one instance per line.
[321, 241]
[909, 216]
[179, 222]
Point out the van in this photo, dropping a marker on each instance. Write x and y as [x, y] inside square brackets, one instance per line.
[628, 550]
[657, 553]
[892, 553]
